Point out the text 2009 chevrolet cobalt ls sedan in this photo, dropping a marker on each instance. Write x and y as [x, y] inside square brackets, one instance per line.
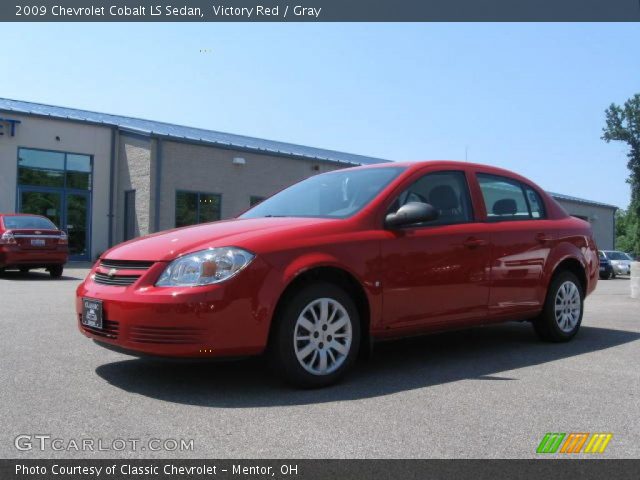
[320, 270]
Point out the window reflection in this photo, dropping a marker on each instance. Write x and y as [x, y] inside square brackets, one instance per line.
[43, 168]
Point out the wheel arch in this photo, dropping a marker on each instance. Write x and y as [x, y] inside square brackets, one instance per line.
[337, 275]
[575, 266]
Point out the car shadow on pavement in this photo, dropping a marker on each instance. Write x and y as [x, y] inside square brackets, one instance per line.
[33, 276]
[475, 354]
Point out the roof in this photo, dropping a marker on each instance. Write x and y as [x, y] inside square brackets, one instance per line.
[569, 198]
[183, 133]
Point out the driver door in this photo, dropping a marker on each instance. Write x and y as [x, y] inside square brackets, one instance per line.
[437, 272]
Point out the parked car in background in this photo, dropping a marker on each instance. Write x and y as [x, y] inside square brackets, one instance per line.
[620, 261]
[32, 241]
[606, 269]
[340, 260]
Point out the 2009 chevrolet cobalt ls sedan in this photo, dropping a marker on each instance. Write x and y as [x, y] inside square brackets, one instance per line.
[320, 270]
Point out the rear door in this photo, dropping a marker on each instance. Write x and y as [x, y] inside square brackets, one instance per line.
[437, 272]
[521, 239]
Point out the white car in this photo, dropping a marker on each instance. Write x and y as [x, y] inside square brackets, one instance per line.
[620, 261]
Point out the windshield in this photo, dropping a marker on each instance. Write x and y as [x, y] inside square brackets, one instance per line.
[616, 256]
[28, 222]
[337, 194]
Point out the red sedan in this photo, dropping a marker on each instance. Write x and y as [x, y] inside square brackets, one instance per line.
[32, 241]
[327, 266]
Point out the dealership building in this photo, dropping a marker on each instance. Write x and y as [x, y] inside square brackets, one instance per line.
[108, 178]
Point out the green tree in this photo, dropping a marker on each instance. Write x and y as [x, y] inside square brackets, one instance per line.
[626, 225]
[623, 125]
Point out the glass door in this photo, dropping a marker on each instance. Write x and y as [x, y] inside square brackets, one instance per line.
[76, 224]
[68, 210]
[42, 202]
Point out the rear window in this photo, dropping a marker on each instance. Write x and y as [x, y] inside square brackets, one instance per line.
[27, 222]
[508, 199]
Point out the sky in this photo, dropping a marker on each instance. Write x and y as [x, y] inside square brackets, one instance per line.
[527, 97]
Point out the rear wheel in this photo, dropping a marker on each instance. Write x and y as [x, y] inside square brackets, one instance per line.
[316, 337]
[56, 271]
[562, 314]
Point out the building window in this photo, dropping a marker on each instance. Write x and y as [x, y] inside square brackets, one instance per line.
[129, 214]
[254, 200]
[41, 168]
[196, 207]
[58, 186]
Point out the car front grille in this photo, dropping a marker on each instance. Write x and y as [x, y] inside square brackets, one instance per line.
[120, 273]
[166, 335]
[116, 280]
[125, 264]
[110, 329]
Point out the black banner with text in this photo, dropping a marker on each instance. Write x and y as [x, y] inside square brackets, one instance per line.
[321, 11]
[317, 469]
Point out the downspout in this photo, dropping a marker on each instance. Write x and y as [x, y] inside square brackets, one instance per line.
[158, 185]
[614, 228]
[112, 163]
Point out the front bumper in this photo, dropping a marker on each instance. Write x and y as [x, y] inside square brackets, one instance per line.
[220, 320]
[622, 269]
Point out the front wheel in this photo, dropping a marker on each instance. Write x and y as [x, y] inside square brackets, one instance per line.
[316, 337]
[562, 314]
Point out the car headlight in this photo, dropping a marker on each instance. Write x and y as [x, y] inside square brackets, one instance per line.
[206, 267]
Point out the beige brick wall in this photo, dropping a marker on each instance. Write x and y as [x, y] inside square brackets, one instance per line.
[134, 173]
[210, 170]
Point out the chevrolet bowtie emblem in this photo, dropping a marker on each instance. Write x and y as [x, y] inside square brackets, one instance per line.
[112, 272]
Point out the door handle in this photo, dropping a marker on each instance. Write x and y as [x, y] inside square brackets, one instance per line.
[473, 242]
[543, 237]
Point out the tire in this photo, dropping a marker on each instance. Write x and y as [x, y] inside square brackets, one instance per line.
[318, 358]
[565, 291]
[56, 271]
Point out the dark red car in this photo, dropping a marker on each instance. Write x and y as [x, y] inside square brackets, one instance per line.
[324, 268]
[32, 241]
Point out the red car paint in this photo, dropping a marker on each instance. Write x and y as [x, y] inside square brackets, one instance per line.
[415, 280]
[17, 251]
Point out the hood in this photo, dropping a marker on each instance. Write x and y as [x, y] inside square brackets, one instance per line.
[248, 233]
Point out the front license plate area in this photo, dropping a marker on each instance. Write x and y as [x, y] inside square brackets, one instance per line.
[92, 313]
[37, 242]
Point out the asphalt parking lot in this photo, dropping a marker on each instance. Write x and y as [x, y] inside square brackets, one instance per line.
[484, 393]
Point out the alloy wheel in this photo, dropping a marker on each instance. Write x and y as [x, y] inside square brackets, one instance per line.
[567, 306]
[322, 336]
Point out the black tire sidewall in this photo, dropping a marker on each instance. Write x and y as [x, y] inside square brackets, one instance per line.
[56, 271]
[283, 355]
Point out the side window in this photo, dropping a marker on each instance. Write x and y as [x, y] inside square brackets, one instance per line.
[535, 203]
[446, 191]
[504, 198]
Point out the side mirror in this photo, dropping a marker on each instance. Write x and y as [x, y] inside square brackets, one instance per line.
[410, 214]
